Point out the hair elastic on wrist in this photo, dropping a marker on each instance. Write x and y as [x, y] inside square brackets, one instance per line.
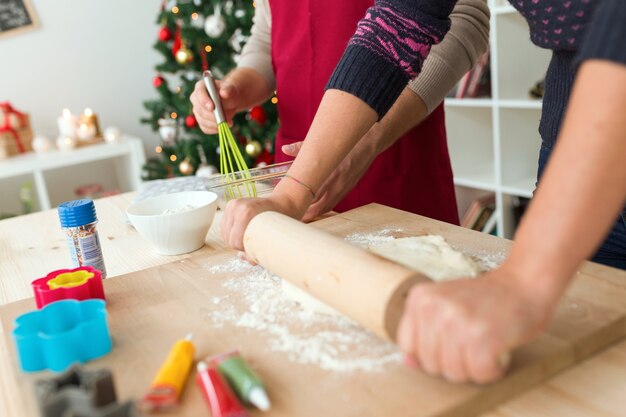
[302, 184]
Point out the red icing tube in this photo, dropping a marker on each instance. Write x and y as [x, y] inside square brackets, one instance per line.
[220, 398]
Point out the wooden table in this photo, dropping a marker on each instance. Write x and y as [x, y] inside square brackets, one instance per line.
[33, 245]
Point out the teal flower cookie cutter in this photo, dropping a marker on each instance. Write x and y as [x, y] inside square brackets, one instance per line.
[61, 334]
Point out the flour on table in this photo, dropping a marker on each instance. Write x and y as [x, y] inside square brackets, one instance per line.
[306, 300]
[306, 330]
[430, 255]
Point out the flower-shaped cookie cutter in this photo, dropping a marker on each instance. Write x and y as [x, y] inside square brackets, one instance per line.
[81, 283]
[61, 334]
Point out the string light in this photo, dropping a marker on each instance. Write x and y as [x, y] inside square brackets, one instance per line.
[194, 16]
[208, 48]
[175, 9]
[173, 158]
[178, 89]
[173, 115]
[274, 100]
[254, 4]
[158, 149]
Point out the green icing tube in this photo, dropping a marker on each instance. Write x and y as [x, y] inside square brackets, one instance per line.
[244, 381]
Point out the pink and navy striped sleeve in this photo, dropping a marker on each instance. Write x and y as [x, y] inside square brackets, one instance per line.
[388, 49]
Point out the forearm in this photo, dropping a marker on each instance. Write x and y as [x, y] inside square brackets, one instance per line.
[344, 116]
[254, 87]
[463, 45]
[583, 187]
[340, 122]
[406, 113]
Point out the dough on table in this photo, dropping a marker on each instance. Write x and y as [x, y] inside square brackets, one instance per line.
[430, 255]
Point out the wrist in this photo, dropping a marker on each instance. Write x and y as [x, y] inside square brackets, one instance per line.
[292, 197]
[537, 283]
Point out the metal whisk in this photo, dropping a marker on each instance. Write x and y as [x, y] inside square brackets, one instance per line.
[232, 164]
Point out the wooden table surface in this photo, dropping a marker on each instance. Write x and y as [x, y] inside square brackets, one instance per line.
[31, 246]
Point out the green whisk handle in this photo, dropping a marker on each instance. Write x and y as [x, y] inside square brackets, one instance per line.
[211, 87]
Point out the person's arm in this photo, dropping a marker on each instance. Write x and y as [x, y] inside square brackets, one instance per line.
[448, 61]
[449, 331]
[257, 52]
[459, 51]
[251, 83]
[365, 84]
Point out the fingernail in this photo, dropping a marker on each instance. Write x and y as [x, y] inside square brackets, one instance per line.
[410, 362]
[504, 360]
[288, 148]
[225, 91]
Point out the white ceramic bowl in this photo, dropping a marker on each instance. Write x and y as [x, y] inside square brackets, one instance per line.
[179, 232]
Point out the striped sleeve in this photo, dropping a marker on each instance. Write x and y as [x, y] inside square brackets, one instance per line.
[388, 49]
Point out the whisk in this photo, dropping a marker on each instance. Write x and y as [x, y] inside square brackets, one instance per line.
[232, 164]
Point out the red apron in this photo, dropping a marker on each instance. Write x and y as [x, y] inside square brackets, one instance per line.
[308, 39]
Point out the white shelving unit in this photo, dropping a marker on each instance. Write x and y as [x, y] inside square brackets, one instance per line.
[55, 174]
[494, 142]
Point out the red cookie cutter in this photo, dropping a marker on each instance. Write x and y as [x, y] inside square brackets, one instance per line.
[79, 284]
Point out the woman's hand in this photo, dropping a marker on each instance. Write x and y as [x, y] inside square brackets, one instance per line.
[464, 330]
[238, 214]
[203, 106]
[288, 198]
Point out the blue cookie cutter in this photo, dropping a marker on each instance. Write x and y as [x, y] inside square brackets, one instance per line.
[62, 333]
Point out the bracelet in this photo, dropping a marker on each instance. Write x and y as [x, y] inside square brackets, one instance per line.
[302, 184]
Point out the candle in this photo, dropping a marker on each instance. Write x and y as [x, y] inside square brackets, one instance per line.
[68, 124]
[86, 131]
[66, 143]
[91, 129]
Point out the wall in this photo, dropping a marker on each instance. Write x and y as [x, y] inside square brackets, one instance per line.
[94, 54]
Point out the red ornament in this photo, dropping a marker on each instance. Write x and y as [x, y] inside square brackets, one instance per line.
[190, 121]
[178, 40]
[257, 113]
[165, 34]
[264, 159]
[158, 81]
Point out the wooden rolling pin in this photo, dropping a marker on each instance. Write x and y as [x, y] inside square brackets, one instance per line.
[365, 287]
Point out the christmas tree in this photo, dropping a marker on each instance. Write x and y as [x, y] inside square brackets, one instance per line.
[196, 35]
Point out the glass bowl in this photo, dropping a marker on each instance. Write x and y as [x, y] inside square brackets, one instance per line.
[257, 182]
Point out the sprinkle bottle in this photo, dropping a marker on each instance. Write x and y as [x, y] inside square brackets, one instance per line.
[78, 220]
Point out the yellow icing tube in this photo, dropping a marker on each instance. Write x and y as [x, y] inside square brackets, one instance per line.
[170, 380]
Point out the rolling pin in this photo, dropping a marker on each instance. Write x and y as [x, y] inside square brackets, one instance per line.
[365, 287]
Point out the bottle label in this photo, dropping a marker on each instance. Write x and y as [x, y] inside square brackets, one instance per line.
[92, 254]
[85, 248]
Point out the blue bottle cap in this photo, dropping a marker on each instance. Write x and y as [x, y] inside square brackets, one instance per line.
[77, 213]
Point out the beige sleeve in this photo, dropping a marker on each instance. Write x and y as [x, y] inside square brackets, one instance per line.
[448, 61]
[257, 53]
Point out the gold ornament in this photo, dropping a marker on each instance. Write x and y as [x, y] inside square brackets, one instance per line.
[253, 148]
[184, 55]
[185, 167]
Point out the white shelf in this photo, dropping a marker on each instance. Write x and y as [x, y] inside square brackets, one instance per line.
[520, 104]
[478, 176]
[505, 9]
[469, 102]
[128, 157]
[521, 188]
[494, 142]
[27, 163]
